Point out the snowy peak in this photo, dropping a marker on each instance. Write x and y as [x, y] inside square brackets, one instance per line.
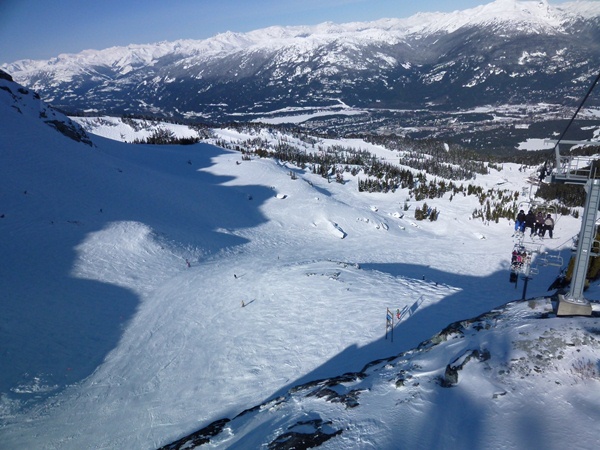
[504, 52]
[529, 17]
[538, 13]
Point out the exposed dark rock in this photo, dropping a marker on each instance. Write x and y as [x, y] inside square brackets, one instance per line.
[5, 76]
[345, 378]
[451, 375]
[199, 437]
[293, 440]
[350, 399]
[71, 131]
[458, 328]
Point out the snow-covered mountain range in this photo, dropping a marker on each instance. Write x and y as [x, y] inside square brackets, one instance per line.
[176, 296]
[506, 52]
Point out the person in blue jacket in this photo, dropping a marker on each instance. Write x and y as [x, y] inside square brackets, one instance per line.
[520, 222]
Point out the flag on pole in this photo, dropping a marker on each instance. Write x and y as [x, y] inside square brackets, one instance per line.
[389, 323]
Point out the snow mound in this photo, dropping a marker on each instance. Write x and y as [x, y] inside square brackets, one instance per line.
[126, 254]
[336, 230]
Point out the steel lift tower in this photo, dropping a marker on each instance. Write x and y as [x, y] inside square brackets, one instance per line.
[582, 171]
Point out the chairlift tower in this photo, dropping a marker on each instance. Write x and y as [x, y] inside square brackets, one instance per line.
[581, 171]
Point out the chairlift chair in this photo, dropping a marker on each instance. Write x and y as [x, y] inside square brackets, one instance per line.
[546, 259]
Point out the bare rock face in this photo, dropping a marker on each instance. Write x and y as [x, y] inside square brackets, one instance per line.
[451, 375]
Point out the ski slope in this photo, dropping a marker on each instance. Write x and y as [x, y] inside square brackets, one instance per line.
[148, 291]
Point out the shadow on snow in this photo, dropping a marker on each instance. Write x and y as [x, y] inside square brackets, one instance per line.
[56, 329]
[474, 296]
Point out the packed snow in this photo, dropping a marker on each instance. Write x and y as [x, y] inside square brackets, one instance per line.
[149, 291]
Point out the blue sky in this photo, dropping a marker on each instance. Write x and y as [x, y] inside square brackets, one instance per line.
[41, 29]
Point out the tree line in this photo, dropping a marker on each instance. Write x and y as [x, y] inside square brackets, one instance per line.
[429, 169]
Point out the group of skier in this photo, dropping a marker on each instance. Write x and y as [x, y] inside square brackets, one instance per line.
[536, 222]
[519, 258]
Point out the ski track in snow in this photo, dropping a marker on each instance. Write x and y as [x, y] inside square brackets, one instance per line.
[278, 292]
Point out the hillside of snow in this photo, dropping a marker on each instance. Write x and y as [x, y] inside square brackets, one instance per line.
[151, 291]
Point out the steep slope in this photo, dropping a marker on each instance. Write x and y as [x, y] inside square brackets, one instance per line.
[31, 106]
[57, 324]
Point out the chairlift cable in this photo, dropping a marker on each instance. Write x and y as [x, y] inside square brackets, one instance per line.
[577, 112]
[558, 247]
